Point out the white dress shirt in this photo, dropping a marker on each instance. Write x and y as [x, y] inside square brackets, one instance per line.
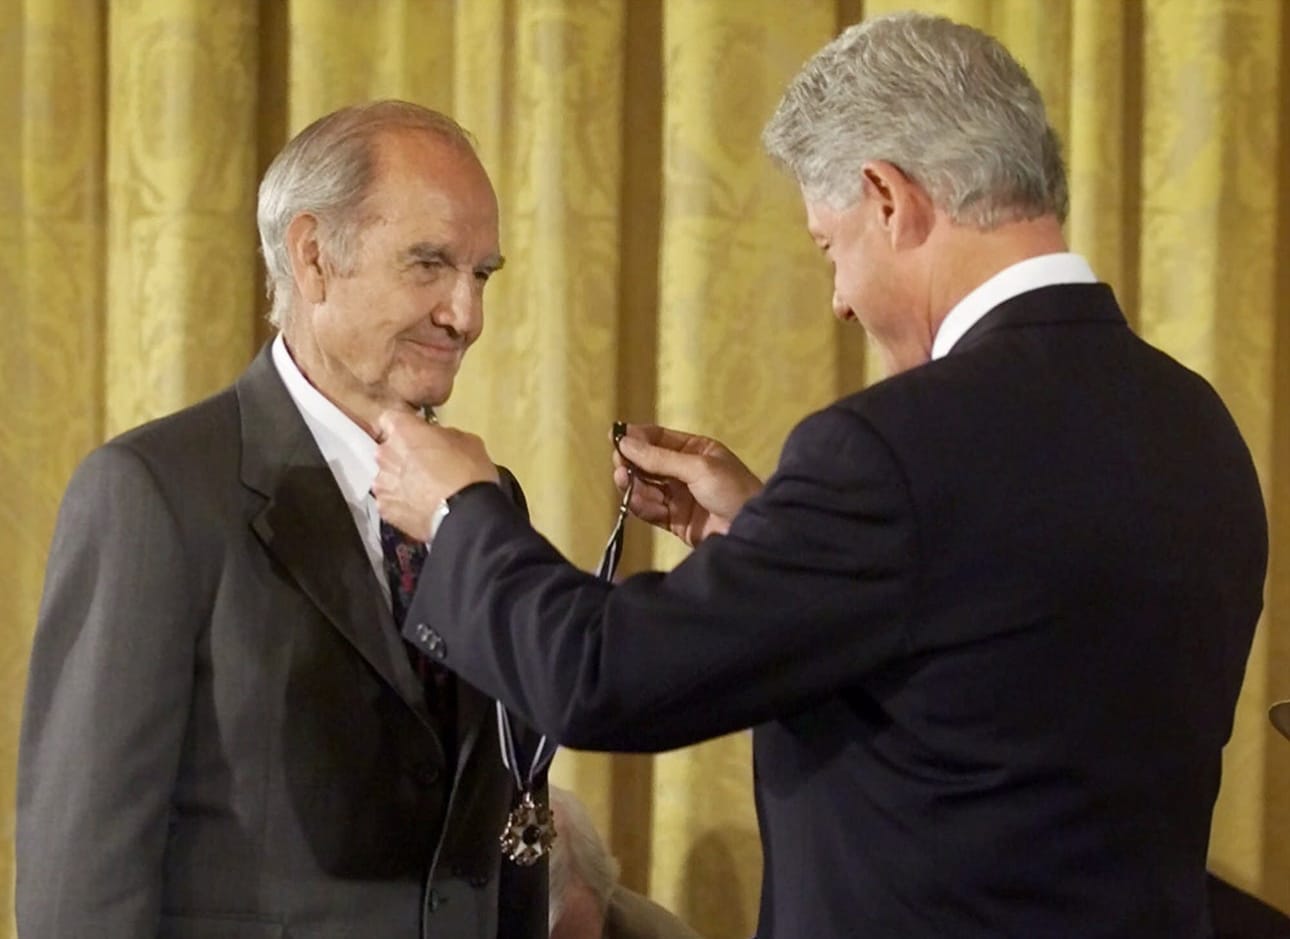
[1030, 274]
[349, 451]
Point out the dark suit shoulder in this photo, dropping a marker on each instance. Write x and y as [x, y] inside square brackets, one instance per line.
[1027, 376]
[189, 460]
[193, 439]
[511, 486]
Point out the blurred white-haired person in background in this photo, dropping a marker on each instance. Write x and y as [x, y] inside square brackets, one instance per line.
[587, 902]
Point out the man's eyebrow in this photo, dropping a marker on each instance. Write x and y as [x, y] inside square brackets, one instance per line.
[428, 251]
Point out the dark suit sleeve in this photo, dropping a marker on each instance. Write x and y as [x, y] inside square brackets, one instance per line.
[810, 588]
[522, 891]
[107, 700]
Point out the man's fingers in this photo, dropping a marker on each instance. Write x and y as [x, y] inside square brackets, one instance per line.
[649, 508]
[665, 437]
[660, 461]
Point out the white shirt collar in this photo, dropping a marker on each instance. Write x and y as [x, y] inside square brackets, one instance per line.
[346, 447]
[1030, 274]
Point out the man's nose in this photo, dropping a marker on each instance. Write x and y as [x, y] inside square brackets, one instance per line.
[463, 312]
[840, 309]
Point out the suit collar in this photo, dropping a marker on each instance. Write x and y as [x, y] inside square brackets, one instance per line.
[1043, 270]
[347, 447]
[1046, 306]
[305, 524]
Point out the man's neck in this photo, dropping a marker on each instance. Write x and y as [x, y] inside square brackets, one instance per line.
[312, 364]
[968, 257]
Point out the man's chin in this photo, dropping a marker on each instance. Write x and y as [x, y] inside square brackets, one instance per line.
[424, 398]
[422, 388]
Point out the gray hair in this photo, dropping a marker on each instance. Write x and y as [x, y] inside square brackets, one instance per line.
[943, 102]
[326, 171]
[578, 853]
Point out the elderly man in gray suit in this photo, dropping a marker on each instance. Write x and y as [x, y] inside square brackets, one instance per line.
[224, 735]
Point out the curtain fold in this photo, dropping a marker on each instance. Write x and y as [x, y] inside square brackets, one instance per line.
[181, 271]
[1208, 272]
[657, 269]
[1101, 166]
[540, 385]
[745, 347]
[52, 58]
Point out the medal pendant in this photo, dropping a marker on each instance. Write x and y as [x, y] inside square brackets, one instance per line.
[529, 832]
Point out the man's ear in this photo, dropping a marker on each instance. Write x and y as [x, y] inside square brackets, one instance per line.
[904, 209]
[305, 252]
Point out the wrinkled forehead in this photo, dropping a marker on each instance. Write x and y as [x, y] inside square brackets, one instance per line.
[421, 175]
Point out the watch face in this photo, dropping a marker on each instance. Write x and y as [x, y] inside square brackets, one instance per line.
[1280, 715]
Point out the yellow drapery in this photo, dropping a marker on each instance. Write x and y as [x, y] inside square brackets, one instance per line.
[657, 268]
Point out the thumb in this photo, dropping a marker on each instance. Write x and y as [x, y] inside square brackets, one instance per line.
[660, 461]
[385, 425]
[391, 421]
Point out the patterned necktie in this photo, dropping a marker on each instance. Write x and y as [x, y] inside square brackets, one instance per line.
[404, 557]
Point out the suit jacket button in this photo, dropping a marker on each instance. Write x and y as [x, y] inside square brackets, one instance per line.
[435, 645]
[424, 773]
[423, 633]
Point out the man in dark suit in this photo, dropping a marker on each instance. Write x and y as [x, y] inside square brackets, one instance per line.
[224, 734]
[988, 618]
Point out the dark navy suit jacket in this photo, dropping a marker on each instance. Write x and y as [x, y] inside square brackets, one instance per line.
[989, 619]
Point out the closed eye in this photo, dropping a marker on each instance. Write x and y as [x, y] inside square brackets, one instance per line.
[490, 267]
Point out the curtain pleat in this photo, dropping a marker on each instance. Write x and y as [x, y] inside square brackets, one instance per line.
[181, 251]
[51, 326]
[1208, 268]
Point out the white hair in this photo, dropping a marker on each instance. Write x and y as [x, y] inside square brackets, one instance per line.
[943, 102]
[326, 171]
[579, 853]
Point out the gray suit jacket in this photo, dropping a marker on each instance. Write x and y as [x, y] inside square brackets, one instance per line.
[223, 735]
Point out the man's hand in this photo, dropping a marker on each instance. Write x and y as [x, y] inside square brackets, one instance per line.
[700, 486]
[420, 465]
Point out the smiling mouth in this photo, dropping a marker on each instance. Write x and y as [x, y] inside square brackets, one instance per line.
[442, 351]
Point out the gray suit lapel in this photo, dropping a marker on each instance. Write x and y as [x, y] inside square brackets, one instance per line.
[306, 525]
[474, 713]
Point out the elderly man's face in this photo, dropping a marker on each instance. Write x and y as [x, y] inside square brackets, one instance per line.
[396, 320]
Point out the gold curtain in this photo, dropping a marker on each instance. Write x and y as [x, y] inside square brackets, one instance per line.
[657, 269]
